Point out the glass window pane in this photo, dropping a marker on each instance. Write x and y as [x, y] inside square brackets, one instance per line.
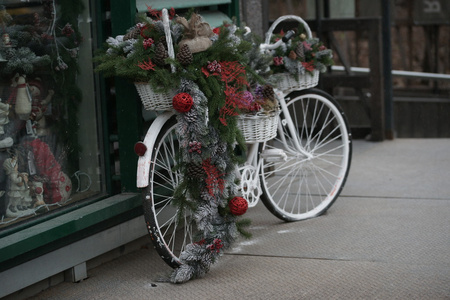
[49, 137]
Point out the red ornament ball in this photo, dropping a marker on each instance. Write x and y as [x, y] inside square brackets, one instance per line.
[238, 206]
[182, 102]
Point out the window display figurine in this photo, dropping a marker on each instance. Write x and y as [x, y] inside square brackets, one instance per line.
[40, 106]
[23, 99]
[6, 40]
[5, 141]
[37, 190]
[17, 189]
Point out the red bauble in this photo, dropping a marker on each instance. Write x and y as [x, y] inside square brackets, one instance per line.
[182, 102]
[238, 206]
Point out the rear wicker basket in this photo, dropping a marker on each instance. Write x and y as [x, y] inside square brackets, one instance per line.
[260, 127]
[288, 82]
[152, 100]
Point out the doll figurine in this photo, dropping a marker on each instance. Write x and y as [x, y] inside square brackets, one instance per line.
[5, 141]
[40, 106]
[23, 99]
[17, 191]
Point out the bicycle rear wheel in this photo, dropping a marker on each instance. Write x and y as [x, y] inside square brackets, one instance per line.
[170, 229]
[305, 183]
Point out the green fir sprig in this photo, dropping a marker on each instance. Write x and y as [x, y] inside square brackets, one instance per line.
[300, 55]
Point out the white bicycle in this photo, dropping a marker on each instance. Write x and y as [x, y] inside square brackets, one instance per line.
[298, 174]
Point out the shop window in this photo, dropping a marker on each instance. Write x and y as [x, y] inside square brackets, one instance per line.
[49, 139]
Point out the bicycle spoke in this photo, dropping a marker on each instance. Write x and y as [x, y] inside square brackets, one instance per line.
[305, 186]
[170, 229]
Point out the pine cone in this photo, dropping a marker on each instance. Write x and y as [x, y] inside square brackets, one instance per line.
[163, 41]
[270, 102]
[184, 55]
[132, 34]
[292, 55]
[268, 92]
[160, 54]
[195, 171]
[300, 51]
[221, 148]
[191, 116]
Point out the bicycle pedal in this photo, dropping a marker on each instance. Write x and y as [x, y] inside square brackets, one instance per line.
[274, 155]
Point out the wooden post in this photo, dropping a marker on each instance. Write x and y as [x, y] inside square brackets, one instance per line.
[377, 119]
[387, 70]
[373, 81]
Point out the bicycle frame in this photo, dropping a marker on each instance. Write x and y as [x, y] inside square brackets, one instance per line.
[249, 172]
[253, 161]
[144, 161]
[297, 171]
[143, 167]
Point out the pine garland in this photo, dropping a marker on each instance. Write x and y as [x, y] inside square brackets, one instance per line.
[217, 227]
[216, 231]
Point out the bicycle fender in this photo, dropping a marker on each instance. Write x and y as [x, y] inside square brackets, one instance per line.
[143, 167]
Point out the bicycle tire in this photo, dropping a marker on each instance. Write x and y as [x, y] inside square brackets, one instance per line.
[169, 229]
[305, 187]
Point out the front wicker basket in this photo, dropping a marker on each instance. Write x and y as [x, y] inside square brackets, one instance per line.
[152, 100]
[288, 82]
[260, 127]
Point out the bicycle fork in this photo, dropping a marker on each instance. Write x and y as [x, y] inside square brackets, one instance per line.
[290, 126]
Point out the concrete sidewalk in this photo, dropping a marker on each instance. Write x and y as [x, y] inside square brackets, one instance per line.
[386, 237]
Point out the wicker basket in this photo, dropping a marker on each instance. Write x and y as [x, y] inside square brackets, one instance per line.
[152, 100]
[258, 128]
[285, 81]
[288, 82]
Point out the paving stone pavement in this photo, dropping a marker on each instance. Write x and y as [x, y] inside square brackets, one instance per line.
[386, 237]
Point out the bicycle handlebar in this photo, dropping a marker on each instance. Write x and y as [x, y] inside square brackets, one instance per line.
[290, 34]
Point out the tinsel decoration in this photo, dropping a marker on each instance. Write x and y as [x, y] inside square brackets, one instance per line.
[238, 206]
[182, 102]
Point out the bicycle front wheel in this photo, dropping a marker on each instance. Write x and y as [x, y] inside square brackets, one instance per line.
[309, 176]
[170, 229]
